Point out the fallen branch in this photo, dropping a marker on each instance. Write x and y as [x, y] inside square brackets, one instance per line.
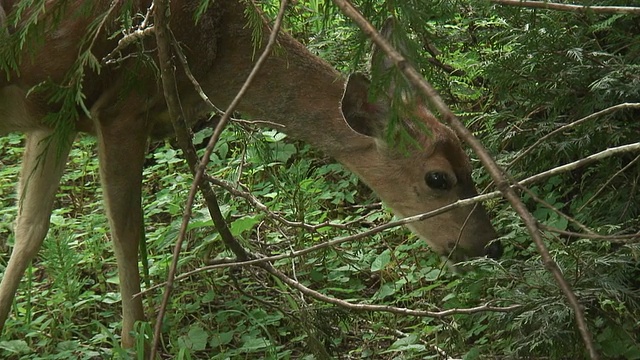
[257, 259]
[618, 239]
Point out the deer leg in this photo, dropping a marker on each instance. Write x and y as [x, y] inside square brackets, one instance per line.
[42, 166]
[122, 146]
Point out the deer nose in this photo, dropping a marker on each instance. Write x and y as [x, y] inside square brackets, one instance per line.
[494, 250]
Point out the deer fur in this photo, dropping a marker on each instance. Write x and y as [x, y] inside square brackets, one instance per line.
[310, 99]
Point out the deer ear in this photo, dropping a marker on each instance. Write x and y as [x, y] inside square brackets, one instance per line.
[380, 62]
[383, 69]
[364, 116]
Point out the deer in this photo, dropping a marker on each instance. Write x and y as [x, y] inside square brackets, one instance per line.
[307, 97]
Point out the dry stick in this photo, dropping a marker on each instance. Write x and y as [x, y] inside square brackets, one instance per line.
[127, 40]
[384, 308]
[420, 217]
[575, 123]
[161, 17]
[417, 80]
[569, 7]
[609, 180]
[142, 31]
[263, 57]
[194, 81]
[163, 39]
[253, 201]
[227, 238]
[584, 161]
[619, 239]
[297, 253]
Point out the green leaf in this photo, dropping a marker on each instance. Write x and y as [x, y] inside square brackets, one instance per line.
[246, 223]
[15, 346]
[196, 338]
[385, 290]
[432, 275]
[473, 354]
[381, 261]
[253, 344]
[220, 339]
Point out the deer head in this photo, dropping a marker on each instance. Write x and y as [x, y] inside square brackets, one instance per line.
[426, 166]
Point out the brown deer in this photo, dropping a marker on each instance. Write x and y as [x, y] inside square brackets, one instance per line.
[296, 89]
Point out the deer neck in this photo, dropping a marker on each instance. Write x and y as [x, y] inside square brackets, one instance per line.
[294, 89]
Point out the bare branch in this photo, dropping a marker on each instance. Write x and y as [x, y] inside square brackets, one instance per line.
[569, 7]
[575, 123]
[620, 239]
[163, 40]
[582, 162]
[126, 41]
[262, 207]
[384, 308]
[603, 186]
[198, 168]
[194, 81]
[266, 265]
[257, 258]
[494, 170]
[142, 31]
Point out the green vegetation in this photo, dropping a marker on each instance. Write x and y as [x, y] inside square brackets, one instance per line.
[513, 74]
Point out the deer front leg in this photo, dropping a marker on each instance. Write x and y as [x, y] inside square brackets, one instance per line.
[42, 166]
[122, 146]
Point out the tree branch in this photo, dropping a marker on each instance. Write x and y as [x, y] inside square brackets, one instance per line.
[163, 39]
[582, 162]
[570, 7]
[573, 124]
[496, 173]
[265, 263]
[384, 308]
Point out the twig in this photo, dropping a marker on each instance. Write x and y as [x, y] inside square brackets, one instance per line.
[143, 30]
[256, 259]
[126, 41]
[620, 239]
[361, 307]
[383, 308]
[169, 85]
[194, 81]
[582, 162]
[609, 180]
[570, 7]
[262, 207]
[573, 124]
[170, 89]
[416, 79]
[259, 122]
[173, 105]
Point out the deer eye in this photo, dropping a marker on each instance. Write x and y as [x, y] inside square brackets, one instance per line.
[438, 180]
